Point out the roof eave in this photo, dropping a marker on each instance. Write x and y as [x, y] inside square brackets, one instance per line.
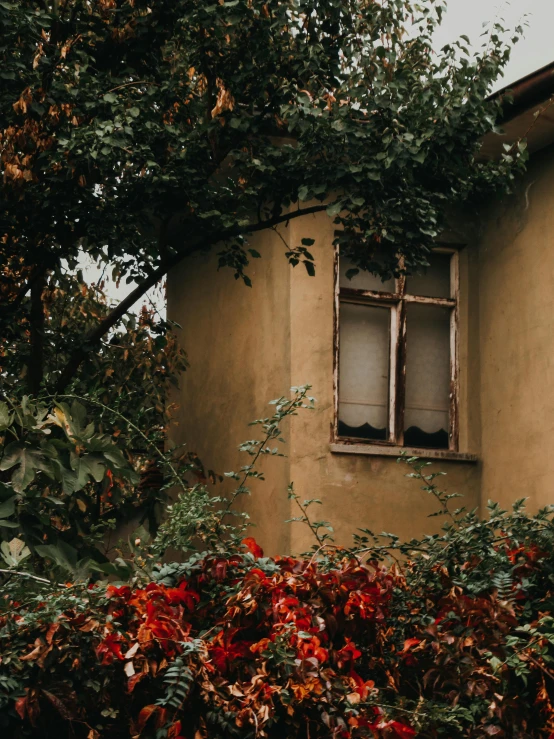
[526, 93]
[526, 113]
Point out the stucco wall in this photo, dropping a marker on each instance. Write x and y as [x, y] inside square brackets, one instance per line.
[516, 316]
[359, 490]
[246, 346]
[238, 345]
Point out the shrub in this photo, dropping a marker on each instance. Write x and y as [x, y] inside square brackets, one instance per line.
[450, 636]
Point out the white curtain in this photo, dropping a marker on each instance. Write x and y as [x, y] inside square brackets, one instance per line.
[364, 365]
[427, 368]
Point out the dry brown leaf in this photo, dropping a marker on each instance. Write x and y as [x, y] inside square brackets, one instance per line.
[225, 101]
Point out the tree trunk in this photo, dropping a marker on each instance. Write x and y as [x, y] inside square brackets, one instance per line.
[36, 355]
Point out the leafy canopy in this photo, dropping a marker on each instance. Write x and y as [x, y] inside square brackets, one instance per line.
[71, 469]
[140, 131]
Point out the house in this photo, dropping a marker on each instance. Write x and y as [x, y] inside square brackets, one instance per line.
[455, 365]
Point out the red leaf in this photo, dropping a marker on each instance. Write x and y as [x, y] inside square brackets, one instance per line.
[51, 631]
[409, 643]
[145, 714]
[133, 681]
[348, 653]
[402, 731]
[174, 730]
[21, 707]
[149, 711]
[162, 718]
[183, 594]
[251, 544]
[109, 648]
[114, 592]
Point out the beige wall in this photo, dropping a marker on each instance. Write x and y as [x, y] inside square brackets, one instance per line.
[246, 346]
[356, 490]
[516, 317]
[238, 345]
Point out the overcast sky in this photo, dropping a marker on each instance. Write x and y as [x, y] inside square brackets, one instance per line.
[531, 53]
[467, 17]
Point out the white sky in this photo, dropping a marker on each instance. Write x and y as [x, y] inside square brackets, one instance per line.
[462, 17]
[531, 53]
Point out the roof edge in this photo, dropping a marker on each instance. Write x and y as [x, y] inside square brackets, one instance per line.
[526, 92]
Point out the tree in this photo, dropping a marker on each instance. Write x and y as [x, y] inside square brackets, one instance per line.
[136, 133]
[71, 470]
[139, 132]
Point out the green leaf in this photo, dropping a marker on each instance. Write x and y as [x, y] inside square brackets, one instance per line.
[28, 461]
[334, 209]
[8, 524]
[5, 417]
[7, 508]
[87, 467]
[64, 555]
[119, 568]
[14, 552]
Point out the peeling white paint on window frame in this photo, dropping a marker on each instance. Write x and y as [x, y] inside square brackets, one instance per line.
[398, 302]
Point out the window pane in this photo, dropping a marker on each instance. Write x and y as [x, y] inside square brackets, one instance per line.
[363, 280]
[364, 371]
[433, 282]
[426, 415]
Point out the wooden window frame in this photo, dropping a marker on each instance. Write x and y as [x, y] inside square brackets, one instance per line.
[397, 303]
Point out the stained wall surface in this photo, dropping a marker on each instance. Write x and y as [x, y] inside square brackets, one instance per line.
[248, 345]
[238, 345]
[516, 318]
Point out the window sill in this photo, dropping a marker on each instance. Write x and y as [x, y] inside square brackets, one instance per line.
[375, 450]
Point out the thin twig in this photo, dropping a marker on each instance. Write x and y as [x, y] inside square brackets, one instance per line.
[128, 84]
[240, 487]
[308, 522]
[320, 549]
[541, 667]
[32, 577]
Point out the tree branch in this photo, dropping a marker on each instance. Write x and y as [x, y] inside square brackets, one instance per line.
[37, 275]
[36, 321]
[32, 577]
[107, 323]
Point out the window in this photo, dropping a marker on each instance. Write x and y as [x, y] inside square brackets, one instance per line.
[396, 360]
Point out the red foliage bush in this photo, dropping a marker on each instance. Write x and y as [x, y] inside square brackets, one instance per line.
[245, 646]
[278, 648]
